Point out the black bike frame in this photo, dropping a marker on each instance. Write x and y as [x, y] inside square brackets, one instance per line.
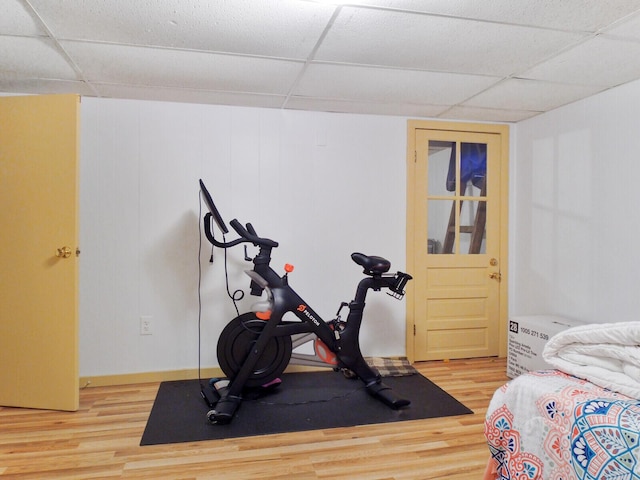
[342, 338]
[343, 343]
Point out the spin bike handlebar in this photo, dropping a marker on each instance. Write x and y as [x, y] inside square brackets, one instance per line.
[247, 235]
[250, 235]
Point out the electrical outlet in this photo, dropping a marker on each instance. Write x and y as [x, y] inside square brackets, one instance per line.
[146, 325]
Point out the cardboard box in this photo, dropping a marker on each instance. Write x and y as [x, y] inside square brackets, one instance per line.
[527, 337]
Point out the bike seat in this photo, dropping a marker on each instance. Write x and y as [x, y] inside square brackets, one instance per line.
[372, 265]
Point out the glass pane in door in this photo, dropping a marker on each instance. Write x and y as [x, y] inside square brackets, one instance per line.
[473, 169]
[442, 156]
[438, 212]
[472, 226]
[440, 162]
[457, 174]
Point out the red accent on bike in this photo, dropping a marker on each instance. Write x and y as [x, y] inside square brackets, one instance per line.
[323, 352]
[288, 267]
[302, 308]
[264, 315]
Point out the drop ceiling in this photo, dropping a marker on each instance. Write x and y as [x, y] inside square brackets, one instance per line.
[498, 60]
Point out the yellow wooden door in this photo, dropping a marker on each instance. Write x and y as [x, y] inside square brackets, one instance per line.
[457, 243]
[39, 283]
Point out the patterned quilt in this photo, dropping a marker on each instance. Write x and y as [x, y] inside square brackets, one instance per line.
[548, 425]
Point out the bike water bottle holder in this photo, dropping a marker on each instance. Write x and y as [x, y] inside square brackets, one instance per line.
[397, 289]
[258, 284]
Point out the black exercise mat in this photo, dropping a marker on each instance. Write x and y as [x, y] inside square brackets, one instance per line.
[304, 401]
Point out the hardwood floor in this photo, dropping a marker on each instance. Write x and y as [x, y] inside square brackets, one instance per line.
[102, 439]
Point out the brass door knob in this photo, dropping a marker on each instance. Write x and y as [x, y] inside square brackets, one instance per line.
[64, 252]
[496, 276]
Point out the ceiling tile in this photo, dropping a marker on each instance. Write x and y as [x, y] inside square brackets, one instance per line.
[44, 86]
[628, 29]
[388, 85]
[530, 95]
[562, 15]
[30, 57]
[151, 67]
[189, 96]
[16, 20]
[601, 61]
[347, 106]
[487, 114]
[276, 28]
[416, 41]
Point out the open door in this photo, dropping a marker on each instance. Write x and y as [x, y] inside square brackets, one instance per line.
[39, 222]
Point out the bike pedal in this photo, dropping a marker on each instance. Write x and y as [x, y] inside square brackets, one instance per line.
[350, 374]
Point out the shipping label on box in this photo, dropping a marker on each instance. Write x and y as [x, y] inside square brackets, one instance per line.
[527, 337]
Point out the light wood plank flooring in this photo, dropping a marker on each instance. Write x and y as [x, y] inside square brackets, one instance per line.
[102, 439]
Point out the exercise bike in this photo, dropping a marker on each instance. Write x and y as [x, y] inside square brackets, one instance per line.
[255, 348]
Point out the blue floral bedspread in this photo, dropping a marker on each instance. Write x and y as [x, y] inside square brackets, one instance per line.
[548, 425]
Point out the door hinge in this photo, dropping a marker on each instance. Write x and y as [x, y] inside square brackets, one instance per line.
[415, 156]
[414, 329]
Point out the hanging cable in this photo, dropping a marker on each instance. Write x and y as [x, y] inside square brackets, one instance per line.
[238, 294]
[200, 295]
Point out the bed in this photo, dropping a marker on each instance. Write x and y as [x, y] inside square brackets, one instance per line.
[580, 420]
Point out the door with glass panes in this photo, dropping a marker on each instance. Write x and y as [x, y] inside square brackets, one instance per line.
[455, 244]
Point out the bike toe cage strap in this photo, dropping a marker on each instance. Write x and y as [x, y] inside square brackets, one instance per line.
[372, 265]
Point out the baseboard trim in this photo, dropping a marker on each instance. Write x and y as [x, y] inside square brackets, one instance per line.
[167, 376]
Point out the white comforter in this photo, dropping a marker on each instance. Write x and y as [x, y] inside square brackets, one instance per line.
[607, 355]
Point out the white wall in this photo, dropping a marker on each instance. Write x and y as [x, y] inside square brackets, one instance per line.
[323, 185]
[575, 223]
